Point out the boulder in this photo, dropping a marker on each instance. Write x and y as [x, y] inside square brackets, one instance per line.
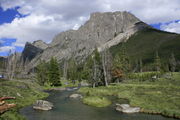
[76, 96]
[125, 108]
[72, 88]
[42, 105]
[75, 88]
[84, 84]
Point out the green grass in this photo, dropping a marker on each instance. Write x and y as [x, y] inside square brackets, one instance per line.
[28, 91]
[96, 101]
[161, 96]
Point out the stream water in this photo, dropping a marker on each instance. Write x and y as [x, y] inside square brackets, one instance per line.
[73, 109]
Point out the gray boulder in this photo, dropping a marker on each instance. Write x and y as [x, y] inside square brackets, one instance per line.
[72, 89]
[125, 108]
[76, 96]
[42, 105]
[84, 84]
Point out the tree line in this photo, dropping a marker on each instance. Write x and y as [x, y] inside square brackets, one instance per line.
[100, 68]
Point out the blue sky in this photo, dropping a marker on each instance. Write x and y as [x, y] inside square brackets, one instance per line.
[7, 17]
[24, 21]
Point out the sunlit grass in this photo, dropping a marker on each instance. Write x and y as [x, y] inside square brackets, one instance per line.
[96, 101]
[161, 96]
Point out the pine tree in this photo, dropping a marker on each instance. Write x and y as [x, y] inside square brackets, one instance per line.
[42, 72]
[121, 60]
[121, 63]
[87, 72]
[72, 70]
[54, 73]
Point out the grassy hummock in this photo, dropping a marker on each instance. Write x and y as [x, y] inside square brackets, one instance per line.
[26, 93]
[160, 97]
[96, 101]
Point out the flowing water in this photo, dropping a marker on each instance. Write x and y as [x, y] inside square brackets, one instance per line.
[73, 109]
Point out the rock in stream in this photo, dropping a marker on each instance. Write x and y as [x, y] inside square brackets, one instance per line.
[42, 105]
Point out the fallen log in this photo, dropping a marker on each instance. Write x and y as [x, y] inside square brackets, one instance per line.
[6, 98]
[2, 103]
[5, 107]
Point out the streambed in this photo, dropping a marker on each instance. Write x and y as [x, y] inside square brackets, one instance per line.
[73, 109]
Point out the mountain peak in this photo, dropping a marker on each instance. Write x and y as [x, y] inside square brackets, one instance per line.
[40, 44]
[101, 31]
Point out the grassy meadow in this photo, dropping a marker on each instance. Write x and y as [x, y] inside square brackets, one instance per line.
[161, 96]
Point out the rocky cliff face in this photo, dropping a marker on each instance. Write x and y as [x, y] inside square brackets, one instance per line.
[31, 50]
[101, 31]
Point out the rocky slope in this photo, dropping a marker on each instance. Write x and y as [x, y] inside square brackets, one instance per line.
[101, 31]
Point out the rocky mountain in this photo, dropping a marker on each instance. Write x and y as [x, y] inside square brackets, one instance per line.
[101, 31]
[104, 31]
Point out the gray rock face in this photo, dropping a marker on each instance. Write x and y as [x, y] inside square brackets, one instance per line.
[31, 50]
[42, 105]
[40, 44]
[125, 108]
[102, 31]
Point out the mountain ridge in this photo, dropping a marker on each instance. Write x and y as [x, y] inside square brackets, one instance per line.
[101, 31]
[98, 32]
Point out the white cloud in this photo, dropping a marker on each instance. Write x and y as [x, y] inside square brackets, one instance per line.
[32, 28]
[7, 48]
[172, 27]
[49, 17]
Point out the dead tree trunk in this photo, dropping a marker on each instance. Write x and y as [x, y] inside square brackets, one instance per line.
[65, 69]
[140, 65]
[104, 63]
[11, 65]
[95, 74]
